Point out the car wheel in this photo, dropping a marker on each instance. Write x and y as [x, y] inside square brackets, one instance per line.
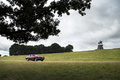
[42, 59]
[27, 59]
[35, 59]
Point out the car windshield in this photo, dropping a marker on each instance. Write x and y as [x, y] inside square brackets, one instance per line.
[33, 55]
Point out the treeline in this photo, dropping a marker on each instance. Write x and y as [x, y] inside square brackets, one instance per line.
[17, 49]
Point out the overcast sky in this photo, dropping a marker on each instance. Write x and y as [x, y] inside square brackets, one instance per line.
[101, 23]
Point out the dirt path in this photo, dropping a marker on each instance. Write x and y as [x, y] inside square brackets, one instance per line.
[65, 61]
[82, 61]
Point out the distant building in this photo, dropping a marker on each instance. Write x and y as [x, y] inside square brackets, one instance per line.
[100, 45]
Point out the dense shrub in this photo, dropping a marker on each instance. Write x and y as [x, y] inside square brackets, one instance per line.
[17, 49]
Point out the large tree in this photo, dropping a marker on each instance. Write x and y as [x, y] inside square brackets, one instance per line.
[31, 20]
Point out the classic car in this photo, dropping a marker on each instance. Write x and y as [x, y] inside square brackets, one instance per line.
[34, 57]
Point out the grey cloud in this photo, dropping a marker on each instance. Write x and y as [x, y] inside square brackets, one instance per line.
[5, 44]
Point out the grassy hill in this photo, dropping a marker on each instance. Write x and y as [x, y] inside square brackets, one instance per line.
[95, 55]
[17, 68]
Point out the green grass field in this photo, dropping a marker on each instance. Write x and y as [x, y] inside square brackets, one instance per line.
[85, 65]
[95, 55]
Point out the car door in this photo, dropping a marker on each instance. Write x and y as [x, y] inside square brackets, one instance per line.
[30, 57]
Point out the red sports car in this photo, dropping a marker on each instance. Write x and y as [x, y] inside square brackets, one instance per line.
[34, 57]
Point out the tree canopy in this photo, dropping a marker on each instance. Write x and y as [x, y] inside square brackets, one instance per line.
[32, 20]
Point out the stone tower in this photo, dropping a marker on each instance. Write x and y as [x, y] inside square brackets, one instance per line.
[100, 45]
